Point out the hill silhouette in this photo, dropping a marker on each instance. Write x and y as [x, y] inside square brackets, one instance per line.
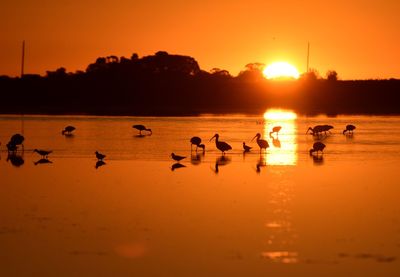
[165, 84]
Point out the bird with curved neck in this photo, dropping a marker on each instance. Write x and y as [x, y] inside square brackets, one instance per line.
[262, 143]
[196, 141]
[317, 147]
[221, 145]
[275, 130]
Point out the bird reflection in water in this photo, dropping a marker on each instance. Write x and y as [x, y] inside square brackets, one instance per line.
[99, 163]
[15, 159]
[276, 142]
[221, 161]
[196, 158]
[260, 163]
[318, 159]
[176, 166]
[43, 161]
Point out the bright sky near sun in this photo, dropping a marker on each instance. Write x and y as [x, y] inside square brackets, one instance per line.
[358, 39]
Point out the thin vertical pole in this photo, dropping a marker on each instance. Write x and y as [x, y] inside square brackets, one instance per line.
[22, 74]
[23, 58]
[308, 56]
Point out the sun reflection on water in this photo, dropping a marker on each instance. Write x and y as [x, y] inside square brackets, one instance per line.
[283, 149]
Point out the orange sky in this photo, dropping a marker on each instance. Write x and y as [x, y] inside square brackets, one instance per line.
[358, 39]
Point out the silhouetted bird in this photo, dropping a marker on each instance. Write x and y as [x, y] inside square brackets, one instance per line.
[43, 153]
[276, 130]
[221, 145]
[263, 144]
[317, 146]
[100, 156]
[246, 148]
[349, 128]
[177, 157]
[68, 130]
[318, 129]
[17, 139]
[142, 128]
[195, 141]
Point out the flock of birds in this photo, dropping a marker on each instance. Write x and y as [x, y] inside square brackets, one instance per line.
[317, 148]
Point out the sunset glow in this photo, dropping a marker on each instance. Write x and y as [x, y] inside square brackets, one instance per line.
[277, 114]
[281, 70]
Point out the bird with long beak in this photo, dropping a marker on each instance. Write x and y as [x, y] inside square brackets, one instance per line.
[262, 143]
[317, 146]
[221, 145]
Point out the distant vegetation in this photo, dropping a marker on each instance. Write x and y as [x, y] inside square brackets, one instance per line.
[164, 84]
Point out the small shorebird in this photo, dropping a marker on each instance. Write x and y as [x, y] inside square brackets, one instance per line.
[349, 128]
[142, 128]
[43, 153]
[221, 145]
[262, 143]
[100, 156]
[177, 157]
[317, 146]
[246, 148]
[68, 130]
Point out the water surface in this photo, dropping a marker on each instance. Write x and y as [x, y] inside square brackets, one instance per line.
[281, 213]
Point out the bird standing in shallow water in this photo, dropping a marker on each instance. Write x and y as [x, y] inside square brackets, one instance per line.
[68, 130]
[317, 146]
[177, 157]
[263, 144]
[275, 130]
[99, 156]
[221, 145]
[349, 128]
[196, 141]
[142, 128]
[246, 148]
[43, 153]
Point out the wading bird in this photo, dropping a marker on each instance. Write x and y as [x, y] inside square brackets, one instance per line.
[349, 128]
[177, 157]
[221, 145]
[275, 130]
[142, 128]
[16, 140]
[43, 153]
[195, 141]
[99, 156]
[318, 129]
[246, 148]
[317, 146]
[263, 144]
[68, 130]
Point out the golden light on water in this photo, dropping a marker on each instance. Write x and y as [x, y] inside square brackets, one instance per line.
[283, 146]
[278, 114]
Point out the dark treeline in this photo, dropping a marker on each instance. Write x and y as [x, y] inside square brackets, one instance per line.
[164, 84]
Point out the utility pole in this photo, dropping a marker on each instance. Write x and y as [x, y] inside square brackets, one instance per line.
[23, 58]
[308, 56]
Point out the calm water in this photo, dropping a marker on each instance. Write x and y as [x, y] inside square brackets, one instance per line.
[282, 213]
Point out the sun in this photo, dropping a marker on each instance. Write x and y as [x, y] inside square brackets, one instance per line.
[281, 70]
